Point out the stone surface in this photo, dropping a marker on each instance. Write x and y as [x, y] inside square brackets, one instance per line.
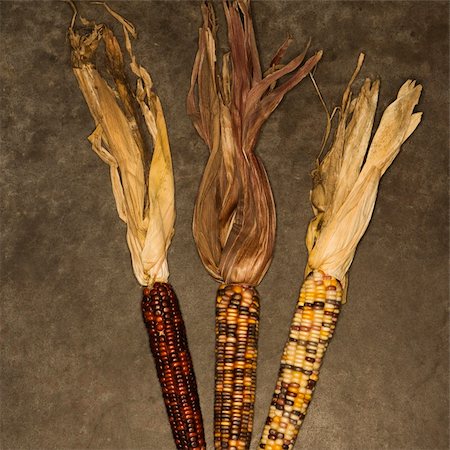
[76, 370]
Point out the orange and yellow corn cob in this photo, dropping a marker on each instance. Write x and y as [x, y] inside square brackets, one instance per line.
[311, 330]
[237, 326]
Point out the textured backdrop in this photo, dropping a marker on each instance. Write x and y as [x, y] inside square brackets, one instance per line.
[76, 371]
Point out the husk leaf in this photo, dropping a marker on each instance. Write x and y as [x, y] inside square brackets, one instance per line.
[234, 216]
[124, 119]
[344, 190]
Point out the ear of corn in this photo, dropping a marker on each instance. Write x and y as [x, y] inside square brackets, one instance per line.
[234, 216]
[169, 346]
[143, 188]
[343, 197]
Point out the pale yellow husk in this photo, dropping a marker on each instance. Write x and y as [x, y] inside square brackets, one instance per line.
[145, 201]
[345, 189]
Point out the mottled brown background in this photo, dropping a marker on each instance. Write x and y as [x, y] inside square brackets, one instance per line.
[76, 371]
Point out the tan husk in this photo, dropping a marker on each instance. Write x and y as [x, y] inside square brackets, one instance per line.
[344, 190]
[234, 216]
[124, 119]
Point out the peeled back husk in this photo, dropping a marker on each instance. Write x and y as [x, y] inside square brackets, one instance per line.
[124, 118]
[234, 217]
[344, 189]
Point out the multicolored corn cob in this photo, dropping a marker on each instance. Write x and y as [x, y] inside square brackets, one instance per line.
[345, 185]
[234, 217]
[143, 186]
[169, 346]
[237, 326]
[311, 330]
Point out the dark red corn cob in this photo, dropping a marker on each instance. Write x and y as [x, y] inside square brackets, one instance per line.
[169, 346]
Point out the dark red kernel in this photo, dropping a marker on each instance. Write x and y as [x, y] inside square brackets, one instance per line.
[168, 343]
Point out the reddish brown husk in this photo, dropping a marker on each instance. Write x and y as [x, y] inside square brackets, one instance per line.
[234, 217]
[169, 346]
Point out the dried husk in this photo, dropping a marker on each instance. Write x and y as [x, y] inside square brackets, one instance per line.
[124, 118]
[234, 217]
[344, 189]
